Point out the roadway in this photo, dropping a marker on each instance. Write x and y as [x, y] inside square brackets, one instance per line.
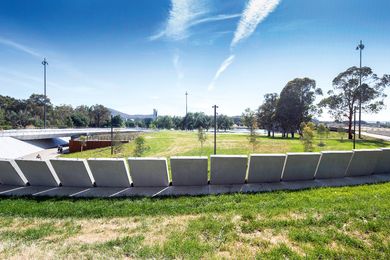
[37, 134]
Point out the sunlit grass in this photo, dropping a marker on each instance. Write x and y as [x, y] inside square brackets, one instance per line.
[182, 143]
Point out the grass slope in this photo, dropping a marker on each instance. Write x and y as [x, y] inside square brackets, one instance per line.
[178, 143]
[348, 222]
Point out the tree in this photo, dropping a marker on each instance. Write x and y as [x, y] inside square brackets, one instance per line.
[202, 137]
[164, 122]
[80, 120]
[100, 115]
[130, 123]
[177, 122]
[2, 118]
[140, 146]
[83, 142]
[224, 122]
[117, 121]
[347, 92]
[296, 105]
[266, 113]
[341, 132]
[307, 136]
[248, 118]
[253, 136]
[321, 131]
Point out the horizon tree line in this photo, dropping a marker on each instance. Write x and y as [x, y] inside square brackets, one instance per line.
[285, 112]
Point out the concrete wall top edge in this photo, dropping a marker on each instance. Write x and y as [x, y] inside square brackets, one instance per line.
[268, 155]
[305, 153]
[67, 159]
[228, 156]
[189, 157]
[366, 150]
[147, 158]
[340, 152]
[106, 159]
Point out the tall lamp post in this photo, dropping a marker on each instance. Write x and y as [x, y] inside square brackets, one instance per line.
[44, 63]
[354, 127]
[360, 47]
[215, 128]
[186, 103]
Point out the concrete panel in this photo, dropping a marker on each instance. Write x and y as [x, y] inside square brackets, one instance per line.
[333, 164]
[10, 173]
[189, 171]
[228, 169]
[149, 172]
[265, 167]
[73, 172]
[300, 166]
[363, 162]
[38, 173]
[110, 172]
[383, 164]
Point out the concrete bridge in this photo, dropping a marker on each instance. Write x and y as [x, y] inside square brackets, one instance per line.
[38, 134]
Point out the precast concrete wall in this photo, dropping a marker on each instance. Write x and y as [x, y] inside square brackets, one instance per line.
[300, 166]
[265, 167]
[149, 172]
[228, 169]
[189, 171]
[73, 172]
[38, 172]
[110, 172]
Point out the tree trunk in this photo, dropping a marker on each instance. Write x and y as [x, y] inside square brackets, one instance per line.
[269, 133]
[350, 127]
[292, 135]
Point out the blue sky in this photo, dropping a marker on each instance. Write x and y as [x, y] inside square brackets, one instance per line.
[138, 55]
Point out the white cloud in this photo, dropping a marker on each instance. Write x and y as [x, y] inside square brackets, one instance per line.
[185, 14]
[19, 47]
[181, 15]
[255, 12]
[178, 68]
[225, 64]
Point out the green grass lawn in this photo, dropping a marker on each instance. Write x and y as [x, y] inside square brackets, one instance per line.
[180, 143]
[341, 223]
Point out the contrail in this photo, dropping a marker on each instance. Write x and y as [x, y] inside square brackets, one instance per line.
[255, 12]
[225, 64]
[19, 47]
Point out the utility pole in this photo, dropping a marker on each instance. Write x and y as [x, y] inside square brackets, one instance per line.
[44, 63]
[112, 137]
[186, 103]
[215, 128]
[360, 47]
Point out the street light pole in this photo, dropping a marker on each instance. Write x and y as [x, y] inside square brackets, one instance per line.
[360, 47]
[215, 128]
[112, 137]
[44, 63]
[354, 128]
[186, 103]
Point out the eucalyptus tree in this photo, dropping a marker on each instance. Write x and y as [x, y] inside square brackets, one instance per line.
[347, 93]
[296, 105]
[266, 113]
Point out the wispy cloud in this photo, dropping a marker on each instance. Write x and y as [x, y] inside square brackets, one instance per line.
[178, 68]
[225, 64]
[20, 47]
[182, 13]
[185, 14]
[255, 12]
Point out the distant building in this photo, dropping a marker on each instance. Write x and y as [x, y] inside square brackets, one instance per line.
[133, 117]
